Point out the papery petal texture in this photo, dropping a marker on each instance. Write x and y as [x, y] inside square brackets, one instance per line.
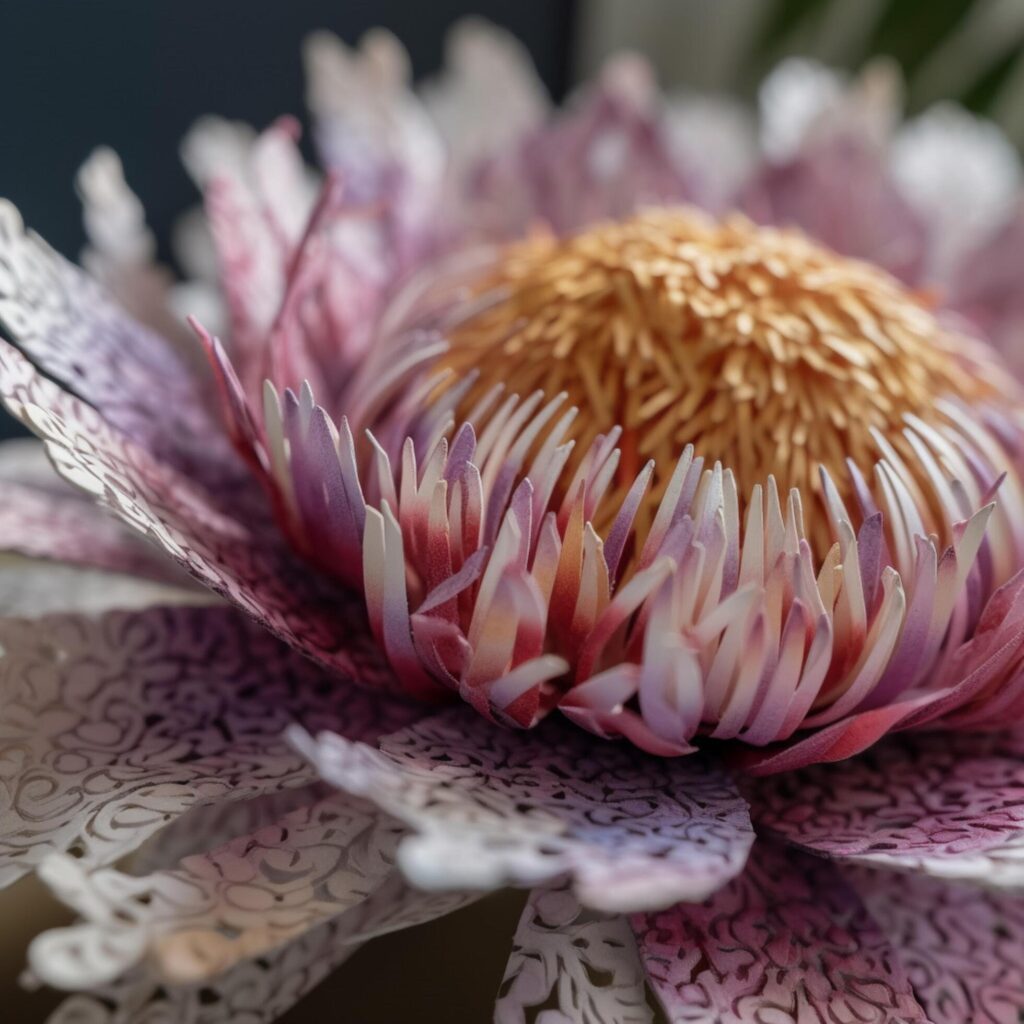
[584, 964]
[961, 947]
[490, 808]
[910, 801]
[114, 726]
[787, 941]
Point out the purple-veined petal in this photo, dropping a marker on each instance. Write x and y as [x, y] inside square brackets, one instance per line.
[786, 941]
[491, 807]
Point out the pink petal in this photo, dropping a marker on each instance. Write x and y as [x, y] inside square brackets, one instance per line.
[962, 947]
[252, 569]
[786, 941]
[912, 796]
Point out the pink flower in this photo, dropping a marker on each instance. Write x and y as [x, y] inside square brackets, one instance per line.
[497, 417]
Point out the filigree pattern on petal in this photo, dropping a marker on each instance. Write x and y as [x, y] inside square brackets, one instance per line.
[259, 990]
[234, 902]
[250, 568]
[62, 319]
[111, 727]
[69, 528]
[916, 800]
[786, 941]
[962, 949]
[493, 807]
[583, 963]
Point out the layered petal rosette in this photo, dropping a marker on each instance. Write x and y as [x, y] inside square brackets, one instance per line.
[535, 411]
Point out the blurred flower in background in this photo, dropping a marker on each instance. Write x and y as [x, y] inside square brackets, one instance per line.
[654, 418]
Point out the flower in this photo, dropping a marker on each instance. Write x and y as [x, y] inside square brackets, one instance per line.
[502, 414]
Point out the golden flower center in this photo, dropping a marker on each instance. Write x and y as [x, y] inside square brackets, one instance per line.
[764, 350]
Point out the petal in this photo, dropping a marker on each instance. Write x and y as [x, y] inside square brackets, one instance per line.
[570, 962]
[64, 322]
[330, 857]
[489, 94]
[908, 801]
[962, 948]
[840, 192]
[45, 522]
[113, 726]
[259, 990]
[492, 807]
[962, 174]
[249, 568]
[786, 941]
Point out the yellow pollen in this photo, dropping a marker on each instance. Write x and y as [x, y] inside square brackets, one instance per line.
[766, 351]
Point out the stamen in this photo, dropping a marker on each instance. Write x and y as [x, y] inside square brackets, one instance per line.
[764, 350]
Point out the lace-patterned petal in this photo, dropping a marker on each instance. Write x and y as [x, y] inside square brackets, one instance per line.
[236, 901]
[921, 802]
[583, 964]
[40, 523]
[113, 726]
[62, 319]
[786, 941]
[963, 949]
[250, 569]
[493, 807]
[259, 990]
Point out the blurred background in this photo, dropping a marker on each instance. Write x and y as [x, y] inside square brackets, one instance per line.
[135, 76]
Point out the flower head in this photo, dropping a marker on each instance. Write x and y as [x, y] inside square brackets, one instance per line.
[501, 413]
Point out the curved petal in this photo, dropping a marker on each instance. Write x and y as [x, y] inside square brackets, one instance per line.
[234, 902]
[111, 727]
[493, 807]
[63, 321]
[908, 800]
[258, 990]
[963, 949]
[565, 959]
[840, 192]
[249, 568]
[67, 527]
[786, 941]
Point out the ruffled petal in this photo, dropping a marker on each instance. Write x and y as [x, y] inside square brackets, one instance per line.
[492, 807]
[963, 949]
[921, 802]
[787, 941]
[580, 965]
[111, 727]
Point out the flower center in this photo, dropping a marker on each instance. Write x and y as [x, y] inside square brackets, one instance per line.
[766, 351]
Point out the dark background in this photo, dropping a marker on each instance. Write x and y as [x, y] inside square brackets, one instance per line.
[135, 74]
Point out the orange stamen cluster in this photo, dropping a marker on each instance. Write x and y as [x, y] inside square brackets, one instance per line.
[762, 349]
